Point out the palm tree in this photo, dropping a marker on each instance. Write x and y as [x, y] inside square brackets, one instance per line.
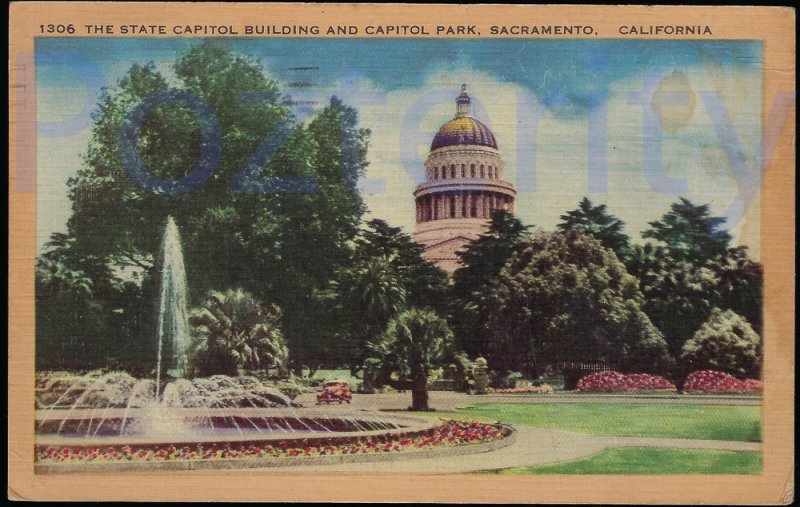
[413, 343]
[236, 333]
[376, 295]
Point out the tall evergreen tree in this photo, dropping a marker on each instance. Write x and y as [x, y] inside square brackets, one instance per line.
[425, 284]
[386, 275]
[596, 220]
[690, 233]
[482, 261]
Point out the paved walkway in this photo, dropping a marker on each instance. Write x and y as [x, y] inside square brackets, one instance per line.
[448, 401]
[532, 447]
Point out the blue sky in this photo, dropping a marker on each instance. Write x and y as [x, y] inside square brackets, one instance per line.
[570, 115]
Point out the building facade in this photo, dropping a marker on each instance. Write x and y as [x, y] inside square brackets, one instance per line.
[464, 185]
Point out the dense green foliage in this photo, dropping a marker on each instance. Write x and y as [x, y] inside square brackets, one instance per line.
[563, 297]
[726, 342]
[582, 293]
[653, 461]
[387, 274]
[283, 247]
[234, 333]
[482, 261]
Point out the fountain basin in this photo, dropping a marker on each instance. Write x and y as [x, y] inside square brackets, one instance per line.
[411, 438]
[79, 427]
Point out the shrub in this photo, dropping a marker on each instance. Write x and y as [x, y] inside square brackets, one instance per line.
[711, 381]
[726, 342]
[522, 389]
[610, 381]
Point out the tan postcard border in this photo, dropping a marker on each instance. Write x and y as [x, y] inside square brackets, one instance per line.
[774, 26]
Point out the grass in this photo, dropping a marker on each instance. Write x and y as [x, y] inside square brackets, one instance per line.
[340, 374]
[708, 422]
[644, 461]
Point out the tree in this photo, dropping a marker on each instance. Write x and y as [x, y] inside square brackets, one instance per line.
[386, 275]
[596, 220]
[375, 295]
[413, 344]
[282, 246]
[726, 342]
[482, 260]
[690, 233]
[678, 297]
[741, 285]
[564, 297]
[425, 284]
[80, 304]
[235, 333]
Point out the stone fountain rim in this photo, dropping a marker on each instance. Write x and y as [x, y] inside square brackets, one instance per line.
[410, 424]
[276, 462]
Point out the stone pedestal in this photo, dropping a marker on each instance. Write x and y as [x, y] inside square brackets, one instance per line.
[480, 372]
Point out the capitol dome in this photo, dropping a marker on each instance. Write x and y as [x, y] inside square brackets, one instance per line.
[465, 131]
[463, 187]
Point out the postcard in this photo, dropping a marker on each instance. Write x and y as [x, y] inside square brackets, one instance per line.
[381, 253]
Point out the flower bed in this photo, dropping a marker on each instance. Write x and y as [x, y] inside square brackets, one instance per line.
[712, 381]
[449, 434]
[542, 389]
[611, 381]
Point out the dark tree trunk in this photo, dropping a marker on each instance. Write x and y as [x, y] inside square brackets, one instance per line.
[419, 390]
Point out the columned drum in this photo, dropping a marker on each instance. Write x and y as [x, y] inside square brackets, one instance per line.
[464, 186]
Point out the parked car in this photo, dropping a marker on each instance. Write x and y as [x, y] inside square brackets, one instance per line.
[334, 391]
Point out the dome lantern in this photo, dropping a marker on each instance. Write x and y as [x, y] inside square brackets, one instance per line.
[463, 103]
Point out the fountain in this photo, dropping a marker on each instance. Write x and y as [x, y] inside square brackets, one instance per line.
[79, 415]
[173, 317]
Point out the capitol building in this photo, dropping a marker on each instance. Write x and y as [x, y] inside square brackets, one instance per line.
[464, 185]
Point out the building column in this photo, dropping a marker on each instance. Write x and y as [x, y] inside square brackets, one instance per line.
[428, 208]
[459, 204]
[487, 212]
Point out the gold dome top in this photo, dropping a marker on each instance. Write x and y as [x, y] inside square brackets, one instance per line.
[463, 130]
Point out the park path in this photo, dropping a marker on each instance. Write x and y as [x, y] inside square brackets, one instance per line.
[532, 446]
[448, 401]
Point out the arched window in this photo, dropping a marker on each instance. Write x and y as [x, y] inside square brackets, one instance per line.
[436, 173]
[444, 172]
[472, 171]
[463, 170]
[483, 173]
[491, 172]
[453, 171]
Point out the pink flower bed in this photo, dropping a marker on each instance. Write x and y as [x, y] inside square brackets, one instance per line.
[544, 389]
[450, 434]
[712, 381]
[610, 381]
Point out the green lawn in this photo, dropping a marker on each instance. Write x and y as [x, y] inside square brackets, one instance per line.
[711, 422]
[635, 460]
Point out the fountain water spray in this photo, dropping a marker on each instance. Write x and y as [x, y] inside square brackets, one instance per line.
[173, 317]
